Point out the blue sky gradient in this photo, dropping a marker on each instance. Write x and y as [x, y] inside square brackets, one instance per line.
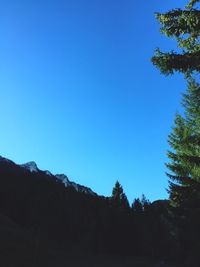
[79, 95]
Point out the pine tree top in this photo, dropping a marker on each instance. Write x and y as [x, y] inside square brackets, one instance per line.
[184, 26]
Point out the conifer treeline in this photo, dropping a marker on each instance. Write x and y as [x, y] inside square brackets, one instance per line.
[62, 218]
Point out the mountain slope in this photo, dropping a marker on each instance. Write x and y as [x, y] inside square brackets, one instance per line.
[48, 212]
[62, 178]
[43, 204]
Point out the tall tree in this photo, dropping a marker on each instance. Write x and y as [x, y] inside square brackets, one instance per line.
[184, 26]
[185, 154]
[184, 166]
[119, 198]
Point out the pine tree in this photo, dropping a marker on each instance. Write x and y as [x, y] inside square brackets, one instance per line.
[145, 202]
[140, 205]
[184, 184]
[184, 158]
[119, 198]
[137, 206]
[184, 26]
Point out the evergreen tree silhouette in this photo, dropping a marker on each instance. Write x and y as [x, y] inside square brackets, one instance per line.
[119, 198]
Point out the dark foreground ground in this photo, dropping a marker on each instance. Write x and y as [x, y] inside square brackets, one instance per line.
[11, 260]
[19, 249]
[15, 254]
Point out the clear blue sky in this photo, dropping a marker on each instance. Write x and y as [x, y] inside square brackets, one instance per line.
[79, 95]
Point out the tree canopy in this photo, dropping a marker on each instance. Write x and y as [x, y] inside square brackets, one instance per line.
[119, 198]
[185, 154]
[184, 26]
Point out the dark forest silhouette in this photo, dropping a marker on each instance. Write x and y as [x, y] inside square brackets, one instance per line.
[51, 216]
[43, 223]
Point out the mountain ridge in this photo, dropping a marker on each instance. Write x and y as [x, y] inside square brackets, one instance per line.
[32, 167]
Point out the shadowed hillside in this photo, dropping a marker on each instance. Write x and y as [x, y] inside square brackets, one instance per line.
[42, 218]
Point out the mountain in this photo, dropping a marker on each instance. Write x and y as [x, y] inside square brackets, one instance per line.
[42, 213]
[30, 166]
[62, 178]
[50, 205]
[79, 188]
